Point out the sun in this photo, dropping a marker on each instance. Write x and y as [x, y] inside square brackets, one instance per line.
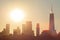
[17, 15]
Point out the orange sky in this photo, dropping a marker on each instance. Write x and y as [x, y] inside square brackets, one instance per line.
[36, 11]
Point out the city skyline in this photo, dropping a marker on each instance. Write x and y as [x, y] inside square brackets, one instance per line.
[36, 14]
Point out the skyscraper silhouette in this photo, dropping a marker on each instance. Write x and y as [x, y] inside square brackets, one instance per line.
[27, 28]
[37, 29]
[7, 29]
[23, 29]
[16, 31]
[51, 22]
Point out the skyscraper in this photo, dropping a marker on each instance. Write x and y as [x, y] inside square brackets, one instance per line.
[27, 28]
[7, 29]
[24, 29]
[16, 31]
[37, 29]
[51, 22]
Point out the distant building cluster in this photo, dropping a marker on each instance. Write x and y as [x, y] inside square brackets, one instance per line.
[27, 28]
[6, 30]
[28, 33]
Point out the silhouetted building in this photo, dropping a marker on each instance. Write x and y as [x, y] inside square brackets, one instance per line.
[51, 23]
[7, 29]
[27, 28]
[3, 32]
[16, 31]
[45, 33]
[37, 29]
[23, 28]
[32, 33]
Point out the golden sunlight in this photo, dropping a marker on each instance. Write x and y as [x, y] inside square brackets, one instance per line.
[17, 15]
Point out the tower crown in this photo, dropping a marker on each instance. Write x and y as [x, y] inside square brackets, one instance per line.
[51, 10]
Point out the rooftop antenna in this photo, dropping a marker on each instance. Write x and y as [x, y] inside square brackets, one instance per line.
[51, 10]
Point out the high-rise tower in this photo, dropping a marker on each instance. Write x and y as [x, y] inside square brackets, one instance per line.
[27, 28]
[7, 29]
[37, 29]
[16, 31]
[51, 22]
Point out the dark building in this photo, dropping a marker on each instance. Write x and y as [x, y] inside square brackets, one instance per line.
[37, 29]
[7, 29]
[16, 31]
[51, 23]
[3, 32]
[23, 28]
[45, 33]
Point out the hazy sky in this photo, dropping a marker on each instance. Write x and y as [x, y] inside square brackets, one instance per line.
[36, 11]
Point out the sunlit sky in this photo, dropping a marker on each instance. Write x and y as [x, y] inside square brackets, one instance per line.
[36, 11]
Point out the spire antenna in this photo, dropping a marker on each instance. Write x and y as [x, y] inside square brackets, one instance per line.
[51, 10]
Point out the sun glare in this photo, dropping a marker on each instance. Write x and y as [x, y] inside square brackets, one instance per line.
[17, 15]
